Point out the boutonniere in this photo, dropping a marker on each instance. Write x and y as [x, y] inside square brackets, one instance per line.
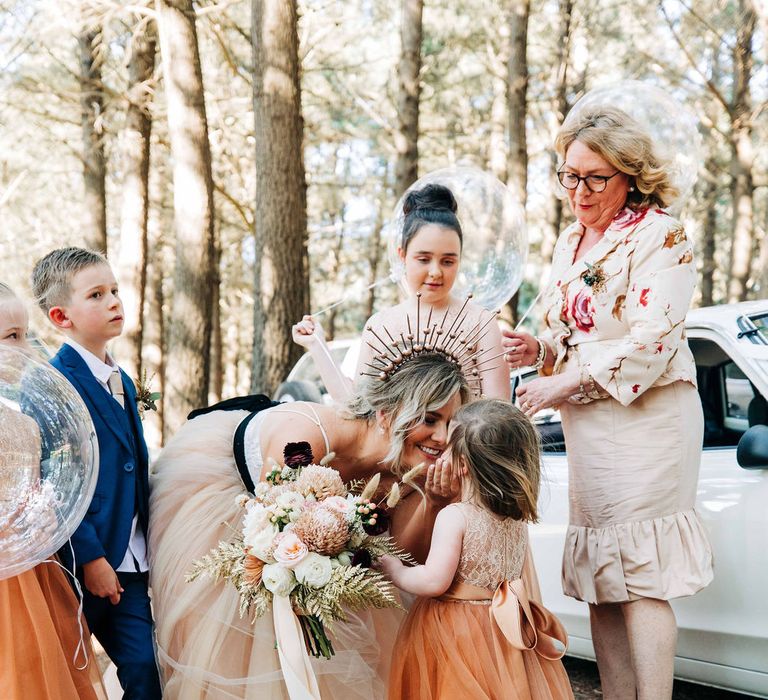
[594, 277]
[145, 397]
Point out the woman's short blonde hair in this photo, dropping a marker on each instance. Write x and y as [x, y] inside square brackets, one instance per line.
[627, 146]
[424, 384]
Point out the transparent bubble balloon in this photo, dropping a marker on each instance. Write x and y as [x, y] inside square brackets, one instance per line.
[673, 128]
[48, 465]
[495, 244]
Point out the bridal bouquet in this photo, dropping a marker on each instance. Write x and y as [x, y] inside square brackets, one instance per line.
[308, 537]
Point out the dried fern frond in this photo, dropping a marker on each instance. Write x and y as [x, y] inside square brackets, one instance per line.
[381, 545]
[220, 563]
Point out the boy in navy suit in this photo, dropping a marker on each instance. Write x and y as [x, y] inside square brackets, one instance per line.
[78, 292]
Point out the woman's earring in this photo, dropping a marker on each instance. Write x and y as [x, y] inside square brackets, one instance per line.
[632, 188]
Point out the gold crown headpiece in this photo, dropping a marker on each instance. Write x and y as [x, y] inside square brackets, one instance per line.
[450, 338]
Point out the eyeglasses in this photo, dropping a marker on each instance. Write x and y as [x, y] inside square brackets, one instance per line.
[594, 183]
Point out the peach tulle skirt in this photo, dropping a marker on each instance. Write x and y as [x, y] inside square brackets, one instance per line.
[449, 649]
[39, 636]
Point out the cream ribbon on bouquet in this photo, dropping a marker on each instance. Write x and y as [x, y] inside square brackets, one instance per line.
[294, 660]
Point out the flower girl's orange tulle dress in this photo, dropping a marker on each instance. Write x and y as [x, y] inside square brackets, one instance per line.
[484, 638]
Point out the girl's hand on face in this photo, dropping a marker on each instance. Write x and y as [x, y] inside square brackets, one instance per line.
[307, 332]
[546, 392]
[443, 484]
[522, 349]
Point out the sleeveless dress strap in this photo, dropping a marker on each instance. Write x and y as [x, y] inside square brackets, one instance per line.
[316, 421]
[238, 446]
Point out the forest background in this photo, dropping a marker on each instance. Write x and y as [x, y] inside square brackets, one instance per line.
[237, 160]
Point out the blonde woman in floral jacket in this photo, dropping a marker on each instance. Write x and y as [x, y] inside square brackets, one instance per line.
[615, 360]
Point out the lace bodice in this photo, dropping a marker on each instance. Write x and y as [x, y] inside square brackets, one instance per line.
[493, 549]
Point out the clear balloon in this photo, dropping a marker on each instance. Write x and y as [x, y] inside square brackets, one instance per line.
[495, 238]
[48, 465]
[673, 128]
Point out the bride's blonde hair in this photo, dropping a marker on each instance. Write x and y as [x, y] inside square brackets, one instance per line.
[501, 450]
[424, 384]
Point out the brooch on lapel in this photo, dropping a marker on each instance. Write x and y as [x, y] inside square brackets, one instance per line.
[594, 277]
[145, 397]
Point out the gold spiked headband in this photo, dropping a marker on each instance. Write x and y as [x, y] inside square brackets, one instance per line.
[451, 338]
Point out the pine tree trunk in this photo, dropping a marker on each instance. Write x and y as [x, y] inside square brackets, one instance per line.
[408, 93]
[517, 100]
[709, 195]
[216, 387]
[135, 207]
[281, 198]
[94, 163]
[190, 325]
[742, 159]
[555, 213]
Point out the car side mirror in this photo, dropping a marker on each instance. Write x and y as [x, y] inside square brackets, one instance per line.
[752, 450]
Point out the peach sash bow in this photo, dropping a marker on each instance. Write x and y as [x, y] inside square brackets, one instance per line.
[299, 677]
[526, 624]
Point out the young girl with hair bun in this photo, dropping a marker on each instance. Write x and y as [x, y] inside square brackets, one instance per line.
[430, 249]
[475, 631]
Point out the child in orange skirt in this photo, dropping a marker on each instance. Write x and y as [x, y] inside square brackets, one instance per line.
[40, 634]
[474, 632]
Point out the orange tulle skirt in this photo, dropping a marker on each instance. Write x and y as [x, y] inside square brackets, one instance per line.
[449, 649]
[39, 634]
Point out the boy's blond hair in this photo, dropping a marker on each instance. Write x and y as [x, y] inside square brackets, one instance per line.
[52, 274]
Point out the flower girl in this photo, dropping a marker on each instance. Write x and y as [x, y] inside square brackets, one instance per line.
[474, 631]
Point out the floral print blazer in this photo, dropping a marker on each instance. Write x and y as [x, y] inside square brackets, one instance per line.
[620, 309]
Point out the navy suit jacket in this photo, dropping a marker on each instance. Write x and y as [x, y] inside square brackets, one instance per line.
[122, 488]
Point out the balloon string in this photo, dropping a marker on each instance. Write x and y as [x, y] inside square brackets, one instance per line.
[81, 647]
[529, 309]
[348, 294]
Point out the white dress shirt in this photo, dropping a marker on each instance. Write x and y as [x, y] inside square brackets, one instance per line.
[136, 554]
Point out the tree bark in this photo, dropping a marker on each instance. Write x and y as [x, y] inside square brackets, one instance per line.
[408, 93]
[742, 158]
[517, 98]
[708, 243]
[561, 107]
[281, 197]
[132, 262]
[517, 101]
[94, 163]
[190, 325]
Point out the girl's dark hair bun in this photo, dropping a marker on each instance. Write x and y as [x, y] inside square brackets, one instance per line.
[434, 197]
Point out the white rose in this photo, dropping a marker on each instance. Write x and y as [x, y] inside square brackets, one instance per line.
[314, 570]
[261, 542]
[290, 500]
[261, 489]
[278, 580]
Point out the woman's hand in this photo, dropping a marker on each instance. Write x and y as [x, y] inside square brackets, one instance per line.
[307, 332]
[522, 349]
[547, 392]
[443, 485]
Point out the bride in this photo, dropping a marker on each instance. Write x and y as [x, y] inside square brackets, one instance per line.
[205, 649]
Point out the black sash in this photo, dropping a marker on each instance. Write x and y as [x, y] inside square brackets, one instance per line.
[255, 403]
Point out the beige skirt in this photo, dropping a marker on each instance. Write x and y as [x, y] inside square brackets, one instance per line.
[633, 472]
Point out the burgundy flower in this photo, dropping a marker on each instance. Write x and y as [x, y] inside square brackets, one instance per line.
[379, 524]
[583, 312]
[626, 218]
[362, 557]
[298, 454]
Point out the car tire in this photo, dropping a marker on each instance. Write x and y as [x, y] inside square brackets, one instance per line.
[298, 391]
